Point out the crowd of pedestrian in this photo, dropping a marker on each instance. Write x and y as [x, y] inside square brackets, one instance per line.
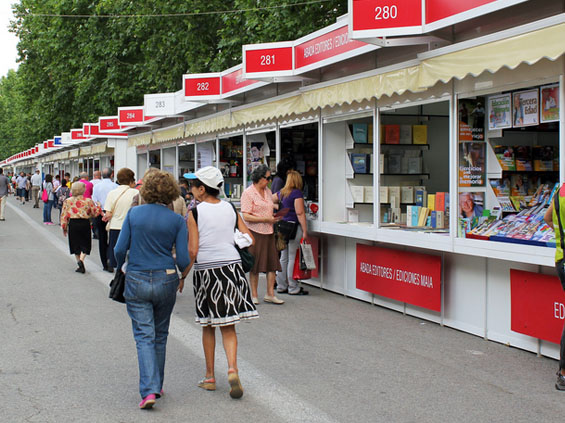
[153, 229]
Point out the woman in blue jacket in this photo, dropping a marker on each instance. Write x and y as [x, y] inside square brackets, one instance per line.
[149, 233]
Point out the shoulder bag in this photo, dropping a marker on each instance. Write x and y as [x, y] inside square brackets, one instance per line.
[117, 287]
[247, 259]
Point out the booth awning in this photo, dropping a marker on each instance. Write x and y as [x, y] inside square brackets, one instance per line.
[73, 153]
[175, 132]
[98, 148]
[510, 52]
[86, 151]
[140, 139]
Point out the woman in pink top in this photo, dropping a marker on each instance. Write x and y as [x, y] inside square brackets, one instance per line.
[257, 210]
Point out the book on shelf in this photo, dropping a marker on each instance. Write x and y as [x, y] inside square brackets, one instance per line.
[421, 197]
[357, 193]
[439, 204]
[414, 165]
[431, 202]
[394, 196]
[360, 131]
[394, 163]
[523, 157]
[412, 214]
[505, 156]
[420, 134]
[383, 194]
[352, 215]
[368, 196]
[407, 194]
[405, 134]
[370, 133]
[423, 216]
[440, 220]
[543, 158]
[371, 158]
[359, 162]
[392, 134]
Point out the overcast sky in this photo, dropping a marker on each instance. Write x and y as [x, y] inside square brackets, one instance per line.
[8, 41]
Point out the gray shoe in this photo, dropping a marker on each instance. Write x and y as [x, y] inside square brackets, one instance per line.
[560, 384]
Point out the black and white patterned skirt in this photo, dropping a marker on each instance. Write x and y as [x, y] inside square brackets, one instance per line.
[222, 295]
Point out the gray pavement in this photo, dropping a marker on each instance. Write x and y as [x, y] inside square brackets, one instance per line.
[67, 355]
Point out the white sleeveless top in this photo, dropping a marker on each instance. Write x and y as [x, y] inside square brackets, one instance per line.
[216, 224]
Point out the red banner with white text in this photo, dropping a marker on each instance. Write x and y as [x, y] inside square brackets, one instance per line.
[404, 276]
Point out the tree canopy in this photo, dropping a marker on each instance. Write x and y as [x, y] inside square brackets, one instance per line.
[74, 69]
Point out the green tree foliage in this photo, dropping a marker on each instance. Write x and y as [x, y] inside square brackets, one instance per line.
[73, 70]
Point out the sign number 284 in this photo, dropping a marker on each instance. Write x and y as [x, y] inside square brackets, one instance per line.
[386, 12]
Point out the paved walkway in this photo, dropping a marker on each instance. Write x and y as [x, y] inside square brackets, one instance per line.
[67, 355]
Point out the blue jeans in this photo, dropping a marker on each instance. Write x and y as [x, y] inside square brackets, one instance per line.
[150, 297]
[47, 210]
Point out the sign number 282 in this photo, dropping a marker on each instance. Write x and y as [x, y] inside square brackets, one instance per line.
[386, 12]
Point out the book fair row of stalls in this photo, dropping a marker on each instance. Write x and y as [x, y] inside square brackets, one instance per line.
[429, 154]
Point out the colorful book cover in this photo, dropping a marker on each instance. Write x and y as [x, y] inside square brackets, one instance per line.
[359, 162]
[405, 134]
[431, 201]
[420, 134]
[434, 219]
[392, 134]
[505, 156]
[421, 198]
[440, 201]
[360, 132]
[423, 216]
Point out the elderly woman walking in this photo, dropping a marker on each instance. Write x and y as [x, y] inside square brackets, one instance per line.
[149, 232]
[75, 216]
[257, 210]
[221, 290]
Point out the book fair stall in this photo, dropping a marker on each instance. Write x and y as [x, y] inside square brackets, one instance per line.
[429, 142]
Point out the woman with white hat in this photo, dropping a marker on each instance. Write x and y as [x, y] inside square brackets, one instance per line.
[221, 290]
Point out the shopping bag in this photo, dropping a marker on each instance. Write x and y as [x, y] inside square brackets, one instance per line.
[297, 274]
[307, 261]
[45, 196]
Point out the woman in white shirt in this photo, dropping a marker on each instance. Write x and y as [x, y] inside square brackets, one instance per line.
[116, 207]
[221, 290]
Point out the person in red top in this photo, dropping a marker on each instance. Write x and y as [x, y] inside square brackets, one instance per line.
[257, 210]
[87, 184]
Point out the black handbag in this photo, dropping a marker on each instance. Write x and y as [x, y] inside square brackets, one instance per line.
[247, 259]
[286, 229]
[117, 286]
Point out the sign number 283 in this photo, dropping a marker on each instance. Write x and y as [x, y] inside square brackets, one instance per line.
[386, 12]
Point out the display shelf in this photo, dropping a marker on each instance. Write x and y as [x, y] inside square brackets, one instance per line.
[425, 175]
[415, 146]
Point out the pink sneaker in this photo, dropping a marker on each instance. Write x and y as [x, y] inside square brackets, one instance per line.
[147, 402]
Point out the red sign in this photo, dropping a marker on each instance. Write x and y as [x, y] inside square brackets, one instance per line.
[376, 18]
[201, 86]
[109, 123]
[538, 305]
[94, 131]
[325, 47]
[386, 15]
[86, 129]
[441, 9]
[268, 60]
[130, 115]
[408, 277]
[234, 81]
[77, 134]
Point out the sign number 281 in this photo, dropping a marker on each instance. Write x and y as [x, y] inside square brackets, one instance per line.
[386, 12]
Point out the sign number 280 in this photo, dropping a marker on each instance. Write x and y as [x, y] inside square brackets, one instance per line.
[386, 12]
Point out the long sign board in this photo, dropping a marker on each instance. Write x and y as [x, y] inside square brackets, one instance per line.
[385, 18]
[537, 305]
[408, 277]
